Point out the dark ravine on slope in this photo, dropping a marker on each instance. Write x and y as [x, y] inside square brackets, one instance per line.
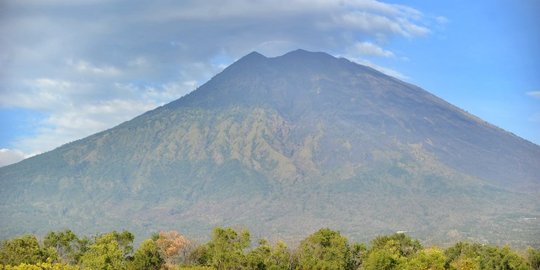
[285, 146]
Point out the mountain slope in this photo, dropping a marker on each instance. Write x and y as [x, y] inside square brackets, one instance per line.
[286, 145]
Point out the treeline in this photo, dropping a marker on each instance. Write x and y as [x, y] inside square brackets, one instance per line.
[233, 249]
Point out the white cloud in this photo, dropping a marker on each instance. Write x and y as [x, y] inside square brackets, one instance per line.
[161, 93]
[70, 123]
[385, 70]
[87, 68]
[10, 156]
[71, 116]
[90, 65]
[370, 49]
[75, 109]
[41, 94]
[368, 22]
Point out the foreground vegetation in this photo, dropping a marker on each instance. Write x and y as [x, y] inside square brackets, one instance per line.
[233, 249]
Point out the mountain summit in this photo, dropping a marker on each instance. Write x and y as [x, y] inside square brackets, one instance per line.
[286, 145]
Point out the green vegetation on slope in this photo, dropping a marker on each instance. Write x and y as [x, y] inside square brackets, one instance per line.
[233, 249]
[202, 170]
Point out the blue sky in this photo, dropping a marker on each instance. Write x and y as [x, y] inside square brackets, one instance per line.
[73, 68]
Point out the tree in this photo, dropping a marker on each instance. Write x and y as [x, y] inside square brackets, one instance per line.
[67, 244]
[173, 247]
[426, 259]
[256, 259]
[41, 266]
[280, 257]
[382, 259]
[399, 243]
[494, 257]
[24, 249]
[463, 256]
[226, 250]
[324, 249]
[390, 251]
[358, 255]
[533, 258]
[147, 257]
[476, 256]
[199, 255]
[109, 252]
[268, 257]
[465, 263]
[125, 242]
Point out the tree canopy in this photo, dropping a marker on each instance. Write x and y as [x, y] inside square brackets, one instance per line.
[229, 248]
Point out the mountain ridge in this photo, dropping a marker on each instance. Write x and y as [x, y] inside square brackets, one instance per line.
[298, 141]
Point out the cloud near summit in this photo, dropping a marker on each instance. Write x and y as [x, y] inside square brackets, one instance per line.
[90, 65]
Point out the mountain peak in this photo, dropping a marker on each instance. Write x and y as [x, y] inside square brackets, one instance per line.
[296, 55]
[250, 59]
[254, 55]
[301, 53]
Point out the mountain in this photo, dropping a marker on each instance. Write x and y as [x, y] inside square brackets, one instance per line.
[284, 146]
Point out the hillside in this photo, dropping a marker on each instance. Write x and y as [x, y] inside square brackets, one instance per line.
[287, 145]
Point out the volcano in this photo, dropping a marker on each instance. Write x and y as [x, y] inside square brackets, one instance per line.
[285, 146]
